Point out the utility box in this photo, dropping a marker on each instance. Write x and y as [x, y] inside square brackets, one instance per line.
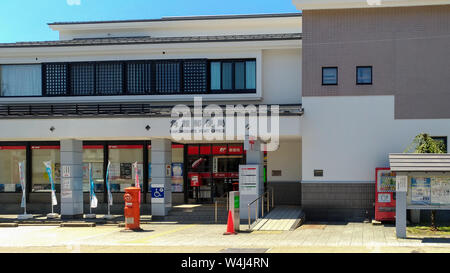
[234, 203]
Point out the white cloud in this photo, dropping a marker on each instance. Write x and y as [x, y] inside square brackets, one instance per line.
[73, 2]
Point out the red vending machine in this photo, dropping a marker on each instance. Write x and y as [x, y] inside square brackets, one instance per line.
[384, 194]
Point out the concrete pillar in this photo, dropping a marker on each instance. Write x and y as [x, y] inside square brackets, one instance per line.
[254, 156]
[161, 185]
[71, 179]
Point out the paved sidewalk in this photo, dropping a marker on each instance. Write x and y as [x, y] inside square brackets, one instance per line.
[163, 237]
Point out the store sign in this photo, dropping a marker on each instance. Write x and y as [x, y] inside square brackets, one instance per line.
[235, 150]
[248, 179]
[220, 150]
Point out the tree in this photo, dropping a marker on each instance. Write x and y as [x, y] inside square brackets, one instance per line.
[424, 144]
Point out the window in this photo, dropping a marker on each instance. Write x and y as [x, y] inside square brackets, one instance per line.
[93, 155]
[121, 172]
[55, 79]
[233, 75]
[41, 154]
[109, 78]
[168, 77]
[10, 157]
[82, 79]
[364, 75]
[139, 78]
[194, 76]
[20, 80]
[329, 75]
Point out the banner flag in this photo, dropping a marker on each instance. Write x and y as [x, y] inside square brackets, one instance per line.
[108, 187]
[94, 200]
[48, 168]
[136, 179]
[22, 183]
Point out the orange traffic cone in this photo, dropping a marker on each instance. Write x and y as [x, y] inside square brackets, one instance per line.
[230, 225]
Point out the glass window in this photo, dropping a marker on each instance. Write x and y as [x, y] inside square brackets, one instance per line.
[227, 76]
[121, 172]
[55, 79]
[21, 80]
[329, 76]
[194, 76]
[364, 75]
[10, 156]
[40, 154]
[239, 76]
[250, 74]
[93, 155]
[215, 75]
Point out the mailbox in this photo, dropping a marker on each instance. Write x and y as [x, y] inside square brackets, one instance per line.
[132, 208]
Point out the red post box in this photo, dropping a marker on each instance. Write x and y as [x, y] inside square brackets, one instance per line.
[132, 210]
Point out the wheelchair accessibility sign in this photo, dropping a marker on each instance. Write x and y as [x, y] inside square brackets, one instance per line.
[157, 192]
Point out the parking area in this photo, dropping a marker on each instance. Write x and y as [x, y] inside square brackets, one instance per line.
[197, 238]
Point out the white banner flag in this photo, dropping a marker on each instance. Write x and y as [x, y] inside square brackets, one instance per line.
[22, 183]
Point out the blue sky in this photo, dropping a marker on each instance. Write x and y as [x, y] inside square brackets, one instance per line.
[26, 20]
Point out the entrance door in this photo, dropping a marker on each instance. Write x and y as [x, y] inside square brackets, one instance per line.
[226, 174]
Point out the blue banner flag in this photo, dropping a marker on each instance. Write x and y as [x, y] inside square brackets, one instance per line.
[108, 186]
[94, 200]
[48, 168]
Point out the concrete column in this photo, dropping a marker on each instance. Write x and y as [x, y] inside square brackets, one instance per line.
[71, 179]
[254, 156]
[400, 215]
[161, 185]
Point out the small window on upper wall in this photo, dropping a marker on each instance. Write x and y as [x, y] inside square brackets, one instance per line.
[329, 75]
[364, 75]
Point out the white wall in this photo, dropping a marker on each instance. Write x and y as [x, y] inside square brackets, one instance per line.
[282, 81]
[288, 159]
[348, 137]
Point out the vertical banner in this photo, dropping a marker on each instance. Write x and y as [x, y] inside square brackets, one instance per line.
[48, 168]
[136, 179]
[108, 186]
[22, 184]
[94, 200]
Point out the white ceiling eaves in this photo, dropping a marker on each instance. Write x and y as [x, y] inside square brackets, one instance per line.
[347, 4]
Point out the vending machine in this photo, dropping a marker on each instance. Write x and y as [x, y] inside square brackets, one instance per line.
[384, 194]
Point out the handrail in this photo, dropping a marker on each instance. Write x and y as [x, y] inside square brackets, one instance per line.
[216, 202]
[262, 207]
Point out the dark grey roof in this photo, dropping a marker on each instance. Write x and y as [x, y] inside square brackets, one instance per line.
[156, 40]
[186, 18]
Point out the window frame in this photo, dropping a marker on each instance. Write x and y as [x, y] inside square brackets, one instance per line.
[337, 75]
[371, 75]
[233, 89]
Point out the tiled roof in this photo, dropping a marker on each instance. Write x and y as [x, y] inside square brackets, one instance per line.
[156, 40]
[186, 18]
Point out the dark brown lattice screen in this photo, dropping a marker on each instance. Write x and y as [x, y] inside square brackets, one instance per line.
[195, 76]
[109, 78]
[139, 78]
[168, 77]
[55, 79]
[82, 79]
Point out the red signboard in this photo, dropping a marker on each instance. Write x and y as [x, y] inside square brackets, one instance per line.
[205, 150]
[13, 147]
[192, 150]
[220, 150]
[235, 149]
[45, 147]
[125, 146]
[92, 147]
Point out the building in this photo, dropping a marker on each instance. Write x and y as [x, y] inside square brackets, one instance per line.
[105, 91]
[354, 82]
[373, 78]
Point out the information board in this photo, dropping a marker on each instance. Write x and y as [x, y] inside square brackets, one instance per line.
[248, 179]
